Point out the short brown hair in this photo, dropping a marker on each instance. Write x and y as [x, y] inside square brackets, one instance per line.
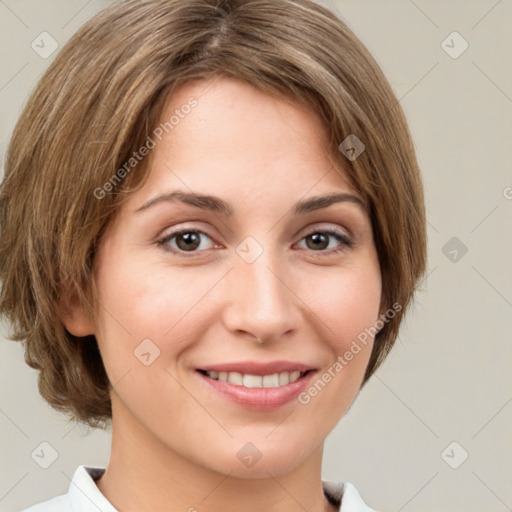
[98, 102]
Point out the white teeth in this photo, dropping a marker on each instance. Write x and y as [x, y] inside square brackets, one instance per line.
[253, 381]
[256, 381]
[271, 381]
[235, 378]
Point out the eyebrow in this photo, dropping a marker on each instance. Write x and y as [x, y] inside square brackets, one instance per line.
[218, 205]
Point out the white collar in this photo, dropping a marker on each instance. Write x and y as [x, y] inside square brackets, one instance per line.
[84, 496]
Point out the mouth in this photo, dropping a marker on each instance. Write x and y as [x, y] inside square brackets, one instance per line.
[266, 392]
[248, 380]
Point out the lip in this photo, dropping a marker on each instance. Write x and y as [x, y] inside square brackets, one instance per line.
[256, 368]
[258, 399]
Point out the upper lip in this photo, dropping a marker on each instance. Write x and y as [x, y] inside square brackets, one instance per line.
[256, 368]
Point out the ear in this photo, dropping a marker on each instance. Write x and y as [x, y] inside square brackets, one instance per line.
[74, 317]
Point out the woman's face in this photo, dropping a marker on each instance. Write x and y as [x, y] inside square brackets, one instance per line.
[244, 276]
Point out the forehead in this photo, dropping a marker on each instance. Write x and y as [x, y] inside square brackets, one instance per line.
[238, 140]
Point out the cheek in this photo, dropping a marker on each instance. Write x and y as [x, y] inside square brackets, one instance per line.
[140, 300]
[348, 302]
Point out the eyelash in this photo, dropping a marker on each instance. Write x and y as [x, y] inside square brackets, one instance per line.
[346, 242]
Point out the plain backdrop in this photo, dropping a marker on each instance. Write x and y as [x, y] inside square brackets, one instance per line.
[431, 430]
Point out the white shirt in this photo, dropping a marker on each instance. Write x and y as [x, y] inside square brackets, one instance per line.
[84, 496]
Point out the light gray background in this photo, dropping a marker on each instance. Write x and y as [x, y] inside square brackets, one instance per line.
[448, 378]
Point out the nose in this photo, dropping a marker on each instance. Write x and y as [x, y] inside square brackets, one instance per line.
[259, 300]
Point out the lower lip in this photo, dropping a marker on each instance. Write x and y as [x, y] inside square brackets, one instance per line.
[260, 399]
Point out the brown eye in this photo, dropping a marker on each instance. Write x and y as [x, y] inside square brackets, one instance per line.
[183, 241]
[188, 241]
[319, 241]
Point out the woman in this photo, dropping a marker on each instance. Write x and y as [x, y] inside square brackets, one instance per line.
[212, 225]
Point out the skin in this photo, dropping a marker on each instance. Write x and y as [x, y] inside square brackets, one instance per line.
[175, 441]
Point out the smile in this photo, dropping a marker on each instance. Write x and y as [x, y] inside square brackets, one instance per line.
[257, 392]
[248, 380]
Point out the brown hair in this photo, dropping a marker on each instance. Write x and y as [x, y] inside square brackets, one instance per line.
[99, 101]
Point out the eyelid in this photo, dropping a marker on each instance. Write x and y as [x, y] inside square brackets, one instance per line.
[326, 227]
